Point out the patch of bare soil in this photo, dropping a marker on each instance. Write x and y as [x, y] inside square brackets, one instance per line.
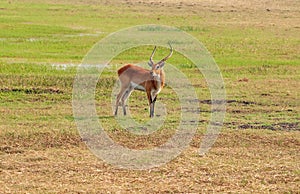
[33, 90]
[223, 5]
[213, 5]
[276, 126]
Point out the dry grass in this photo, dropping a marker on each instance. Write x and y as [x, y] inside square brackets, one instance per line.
[239, 162]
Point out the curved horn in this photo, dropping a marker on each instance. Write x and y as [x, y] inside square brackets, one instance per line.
[167, 57]
[151, 57]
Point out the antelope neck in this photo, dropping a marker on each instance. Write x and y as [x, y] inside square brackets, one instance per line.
[159, 81]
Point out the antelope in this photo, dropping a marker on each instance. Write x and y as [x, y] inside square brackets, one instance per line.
[133, 77]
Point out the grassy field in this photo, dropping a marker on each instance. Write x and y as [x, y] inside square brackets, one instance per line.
[256, 46]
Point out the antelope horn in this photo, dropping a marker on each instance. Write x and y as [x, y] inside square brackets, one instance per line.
[151, 57]
[167, 57]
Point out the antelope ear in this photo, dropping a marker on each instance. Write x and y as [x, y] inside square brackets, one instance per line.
[150, 63]
[161, 64]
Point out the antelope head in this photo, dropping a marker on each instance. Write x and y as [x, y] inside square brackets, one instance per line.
[157, 67]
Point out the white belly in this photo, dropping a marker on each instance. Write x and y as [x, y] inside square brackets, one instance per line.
[137, 86]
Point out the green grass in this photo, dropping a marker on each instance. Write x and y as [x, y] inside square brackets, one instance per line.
[46, 32]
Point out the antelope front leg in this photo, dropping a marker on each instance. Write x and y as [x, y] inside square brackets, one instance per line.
[151, 104]
[151, 109]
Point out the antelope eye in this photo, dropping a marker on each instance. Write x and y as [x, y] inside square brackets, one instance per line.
[157, 67]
